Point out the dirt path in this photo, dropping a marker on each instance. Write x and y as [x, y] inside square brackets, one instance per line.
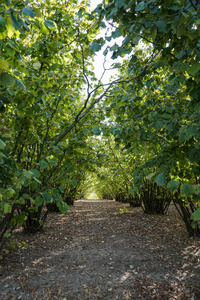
[105, 250]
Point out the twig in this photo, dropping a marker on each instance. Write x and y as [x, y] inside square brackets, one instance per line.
[193, 4]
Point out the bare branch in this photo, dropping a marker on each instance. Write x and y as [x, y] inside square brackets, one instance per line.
[81, 114]
[84, 111]
[193, 4]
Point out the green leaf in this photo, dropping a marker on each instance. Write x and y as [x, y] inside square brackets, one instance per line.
[173, 185]
[140, 6]
[7, 2]
[187, 190]
[149, 176]
[119, 3]
[56, 194]
[114, 47]
[7, 234]
[160, 179]
[38, 201]
[115, 34]
[21, 201]
[133, 59]
[95, 47]
[26, 181]
[193, 69]
[2, 145]
[7, 80]
[47, 197]
[37, 180]
[136, 39]
[196, 215]
[154, 31]
[15, 23]
[161, 25]
[26, 196]
[3, 23]
[36, 173]
[61, 189]
[180, 54]
[73, 182]
[9, 192]
[63, 207]
[27, 174]
[50, 24]
[3, 64]
[7, 208]
[85, 131]
[36, 65]
[44, 29]
[43, 164]
[41, 222]
[96, 130]
[52, 160]
[20, 84]
[10, 52]
[28, 12]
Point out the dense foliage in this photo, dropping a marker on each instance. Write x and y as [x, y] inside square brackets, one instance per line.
[155, 107]
[45, 64]
[52, 106]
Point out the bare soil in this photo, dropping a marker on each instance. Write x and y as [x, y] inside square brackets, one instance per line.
[104, 250]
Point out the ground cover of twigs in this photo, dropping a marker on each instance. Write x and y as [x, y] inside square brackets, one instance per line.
[104, 250]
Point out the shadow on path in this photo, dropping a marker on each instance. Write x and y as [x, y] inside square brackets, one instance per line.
[105, 250]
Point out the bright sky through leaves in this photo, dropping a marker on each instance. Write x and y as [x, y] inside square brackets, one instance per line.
[99, 57]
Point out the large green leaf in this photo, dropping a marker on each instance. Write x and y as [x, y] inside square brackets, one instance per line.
[173, 185]
[9, 193]
[160, 179]
[27, 174]
[3, 23]
[95, 47]
[36, 173]
[192, 70]
[36, 65]
[119, 3]
[187, 190]
[7, 208]
[15, 23]
[7, 80]
[28, 12]
[96, 130]
[196, 215]
[38, 201]
[50, 24]
[47, 197]
[56, 194]
[3, 64]
[140, 6]
[161, 25]
[63, 207]
[43, 164]
[61, 189]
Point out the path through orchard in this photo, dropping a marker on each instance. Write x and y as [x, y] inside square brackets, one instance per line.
[104, 250]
